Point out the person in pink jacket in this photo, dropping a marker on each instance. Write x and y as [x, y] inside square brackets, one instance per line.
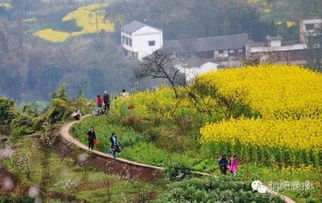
[233, 165]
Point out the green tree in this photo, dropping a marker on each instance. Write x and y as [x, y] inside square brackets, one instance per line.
[7, 111]
[60, 93]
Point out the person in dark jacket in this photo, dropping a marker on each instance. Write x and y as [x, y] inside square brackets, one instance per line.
[223, 163]
[106, 98]
[114, 145]
[91, 136]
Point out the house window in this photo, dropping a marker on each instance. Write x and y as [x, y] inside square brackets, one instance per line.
[309, 27]
[130, 42]
[240, 50]
[151, 43]
[231, 51]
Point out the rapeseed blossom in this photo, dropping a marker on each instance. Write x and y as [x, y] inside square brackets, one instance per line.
[90, 19]
[288, 98]
[304, 134]
[275, 91]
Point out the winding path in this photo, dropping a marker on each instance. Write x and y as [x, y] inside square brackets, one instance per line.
[125, 167]
[66, 135]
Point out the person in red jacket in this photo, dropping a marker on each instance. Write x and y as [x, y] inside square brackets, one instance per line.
[99, 103]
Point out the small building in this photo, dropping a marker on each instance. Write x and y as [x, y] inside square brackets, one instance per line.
[214, 48]
[309, 28]
[274, 41]
[191, 73]
[140, 40]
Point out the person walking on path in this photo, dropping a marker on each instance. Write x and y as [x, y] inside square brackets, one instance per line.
[99, 103]
[91, 137]
[114, 145]
[106, 98]
[223, 163]
[233, 165]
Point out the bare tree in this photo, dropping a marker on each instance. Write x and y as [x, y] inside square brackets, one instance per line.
[160, 65]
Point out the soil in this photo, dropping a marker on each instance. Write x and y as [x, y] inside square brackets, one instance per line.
[6, 177]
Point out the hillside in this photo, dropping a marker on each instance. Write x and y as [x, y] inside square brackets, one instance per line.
[206, 141]
[273, 130]
[52, 43]
[39, 164]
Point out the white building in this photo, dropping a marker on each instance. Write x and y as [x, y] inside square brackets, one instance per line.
[309, 28]
[193, 72]
[140, 40]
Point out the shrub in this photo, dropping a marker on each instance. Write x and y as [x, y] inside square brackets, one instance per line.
[178, 172]
[25, 123]
[222, 189]
[7, 110]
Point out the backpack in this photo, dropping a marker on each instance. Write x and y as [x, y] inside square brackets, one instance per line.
[106, 98]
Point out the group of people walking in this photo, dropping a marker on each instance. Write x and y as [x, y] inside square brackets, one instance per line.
[230, 165]
[103, 106]
[114, 144]
[103, 103]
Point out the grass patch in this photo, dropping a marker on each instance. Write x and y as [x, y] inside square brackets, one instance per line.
[136, 146]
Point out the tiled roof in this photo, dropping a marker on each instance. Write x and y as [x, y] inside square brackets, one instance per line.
[237, 41]
[133, 26]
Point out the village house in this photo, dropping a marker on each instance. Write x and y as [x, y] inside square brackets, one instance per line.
[276, 50]
[219, 48]
[140, 40]
[309, 28]
[195, 70]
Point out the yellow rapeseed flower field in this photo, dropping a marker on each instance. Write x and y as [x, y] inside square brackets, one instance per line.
[304, 134]
[52, 35]
[289, 99]
[90, 18]
[5, 5]
[275, 91]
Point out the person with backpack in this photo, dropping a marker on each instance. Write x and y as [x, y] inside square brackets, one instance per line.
[233, 165]
[223, 163]
[106, 98]
[91, 137]
[114, 147]
[99, 103]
